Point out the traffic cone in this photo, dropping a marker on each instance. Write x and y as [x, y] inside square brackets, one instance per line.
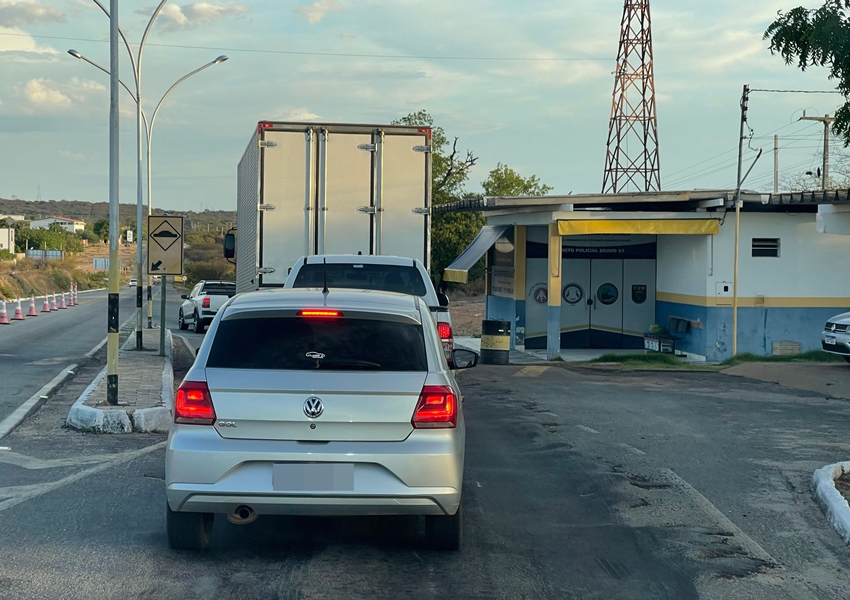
[53, 305]
[46, 307]
[19, 313]
[73, 294]
[62, 305]
[4, 318]
[32, 312]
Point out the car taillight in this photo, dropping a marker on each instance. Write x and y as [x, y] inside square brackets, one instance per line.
[193, 404]
[320, 313]
[206, 303]
[437, 408]
[445, 331]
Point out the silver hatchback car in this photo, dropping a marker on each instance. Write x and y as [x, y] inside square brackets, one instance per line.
[308, 403]
[835, 337]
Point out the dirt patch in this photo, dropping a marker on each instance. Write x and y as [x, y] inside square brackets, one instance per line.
[842, 484]
[467, 314]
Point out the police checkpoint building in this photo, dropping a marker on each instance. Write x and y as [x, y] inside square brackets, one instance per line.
[597, 271]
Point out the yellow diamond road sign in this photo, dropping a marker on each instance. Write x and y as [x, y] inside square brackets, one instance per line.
[165, 245]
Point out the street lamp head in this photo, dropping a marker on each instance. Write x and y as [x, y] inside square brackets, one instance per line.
[220, 59]
[74, 53]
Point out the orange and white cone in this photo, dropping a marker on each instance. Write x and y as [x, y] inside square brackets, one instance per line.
[46, 307]
[73, 294]
[53, 305]
[4, 318]
[62, 305]
[19, 313]
[32, 311]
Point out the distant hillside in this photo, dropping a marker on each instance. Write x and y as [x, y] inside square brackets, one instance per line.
[90, 212]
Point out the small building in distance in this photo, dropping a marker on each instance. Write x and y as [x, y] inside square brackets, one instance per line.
[12, 218]
[71, 225]
[7, 239]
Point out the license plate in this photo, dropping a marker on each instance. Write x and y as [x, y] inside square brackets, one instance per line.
[829, 340]
[313, 477]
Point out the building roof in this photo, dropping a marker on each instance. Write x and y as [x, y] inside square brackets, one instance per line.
[666, 201]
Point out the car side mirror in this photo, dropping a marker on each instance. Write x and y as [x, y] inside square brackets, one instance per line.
[184, 297]
[229, 245]
[464, 359]
[442, 299]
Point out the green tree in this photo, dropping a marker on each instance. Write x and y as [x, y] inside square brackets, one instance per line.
[818, 37]
[504, 181]
[101, 229]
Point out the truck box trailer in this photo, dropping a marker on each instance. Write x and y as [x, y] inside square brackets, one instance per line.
[323, 188]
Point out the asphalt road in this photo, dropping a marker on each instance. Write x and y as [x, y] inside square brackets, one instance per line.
[34, 351]
[578, 484]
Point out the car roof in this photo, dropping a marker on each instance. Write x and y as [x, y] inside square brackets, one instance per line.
[297, 298]
[217, 281]
[360, 259]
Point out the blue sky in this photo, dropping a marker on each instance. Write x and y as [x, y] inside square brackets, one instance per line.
[544, 117]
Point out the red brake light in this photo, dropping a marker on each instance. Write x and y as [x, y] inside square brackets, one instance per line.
[437, 408]
[193, 404]
[445, 331]
[317, 312]
[206, 303]
[263, 125]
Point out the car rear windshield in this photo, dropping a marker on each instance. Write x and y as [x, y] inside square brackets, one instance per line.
[219, 289]
[335, 344]
[385, 278]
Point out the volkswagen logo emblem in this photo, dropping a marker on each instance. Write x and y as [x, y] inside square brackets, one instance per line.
[313, 407]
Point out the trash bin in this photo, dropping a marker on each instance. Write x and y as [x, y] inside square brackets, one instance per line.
[495, 342]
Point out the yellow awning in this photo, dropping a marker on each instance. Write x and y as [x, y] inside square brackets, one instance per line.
[654, 226]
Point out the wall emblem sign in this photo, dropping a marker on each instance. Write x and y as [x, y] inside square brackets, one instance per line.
[638, 294]
[573, 294]
[539, 293]
[607, 294]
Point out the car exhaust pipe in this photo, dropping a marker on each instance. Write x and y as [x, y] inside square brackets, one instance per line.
[242, 515]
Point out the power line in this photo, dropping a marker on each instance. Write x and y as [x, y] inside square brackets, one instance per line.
[336, 54]
[799, 91]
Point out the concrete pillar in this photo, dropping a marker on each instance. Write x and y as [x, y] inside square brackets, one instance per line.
[553, 326]
[519, 284]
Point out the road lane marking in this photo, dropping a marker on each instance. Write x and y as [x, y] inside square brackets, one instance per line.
[34, 402]
[532, 371]
[587, 429]
[37, 490]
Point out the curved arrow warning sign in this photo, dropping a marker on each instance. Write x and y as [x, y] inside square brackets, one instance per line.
[165, 245]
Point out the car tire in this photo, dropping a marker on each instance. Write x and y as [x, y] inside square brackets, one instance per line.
[444, 532]
[188, 531]
[181, 324]
[847, 359]
[199, 325]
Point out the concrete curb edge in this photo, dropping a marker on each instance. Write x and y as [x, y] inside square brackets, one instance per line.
[35, 401]
[116, 420]
[833, 504]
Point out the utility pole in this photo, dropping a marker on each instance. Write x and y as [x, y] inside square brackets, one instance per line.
[114, 233]
[827, 121]
[775, 164]
[745, 101]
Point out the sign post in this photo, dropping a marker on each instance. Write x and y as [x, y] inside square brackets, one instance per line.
[165, 257]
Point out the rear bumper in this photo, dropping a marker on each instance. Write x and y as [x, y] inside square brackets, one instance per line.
[421, 475]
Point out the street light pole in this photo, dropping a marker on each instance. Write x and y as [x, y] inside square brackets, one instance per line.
[112, 303]
[162, 282]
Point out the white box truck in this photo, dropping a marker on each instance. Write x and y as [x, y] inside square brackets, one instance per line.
[323, 188]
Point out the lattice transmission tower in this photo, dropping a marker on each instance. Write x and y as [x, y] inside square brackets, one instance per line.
[631, 163]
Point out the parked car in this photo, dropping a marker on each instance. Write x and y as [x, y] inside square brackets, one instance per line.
[304, 403]
[835, 338]
[132, 283]
[202, 303]
[384, 273]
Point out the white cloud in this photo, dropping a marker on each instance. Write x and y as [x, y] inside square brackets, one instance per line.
[14, 14]
[192, 15]
[293, 114]
[48, 97]
[76, 156]
[318, 10]
[18, 46]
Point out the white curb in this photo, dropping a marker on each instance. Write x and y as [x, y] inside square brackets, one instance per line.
[156, 419]
[830, 499]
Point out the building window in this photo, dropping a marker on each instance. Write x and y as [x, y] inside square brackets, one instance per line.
[766, 247]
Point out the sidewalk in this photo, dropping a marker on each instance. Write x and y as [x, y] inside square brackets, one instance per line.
[145, 391]
[829, 379]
